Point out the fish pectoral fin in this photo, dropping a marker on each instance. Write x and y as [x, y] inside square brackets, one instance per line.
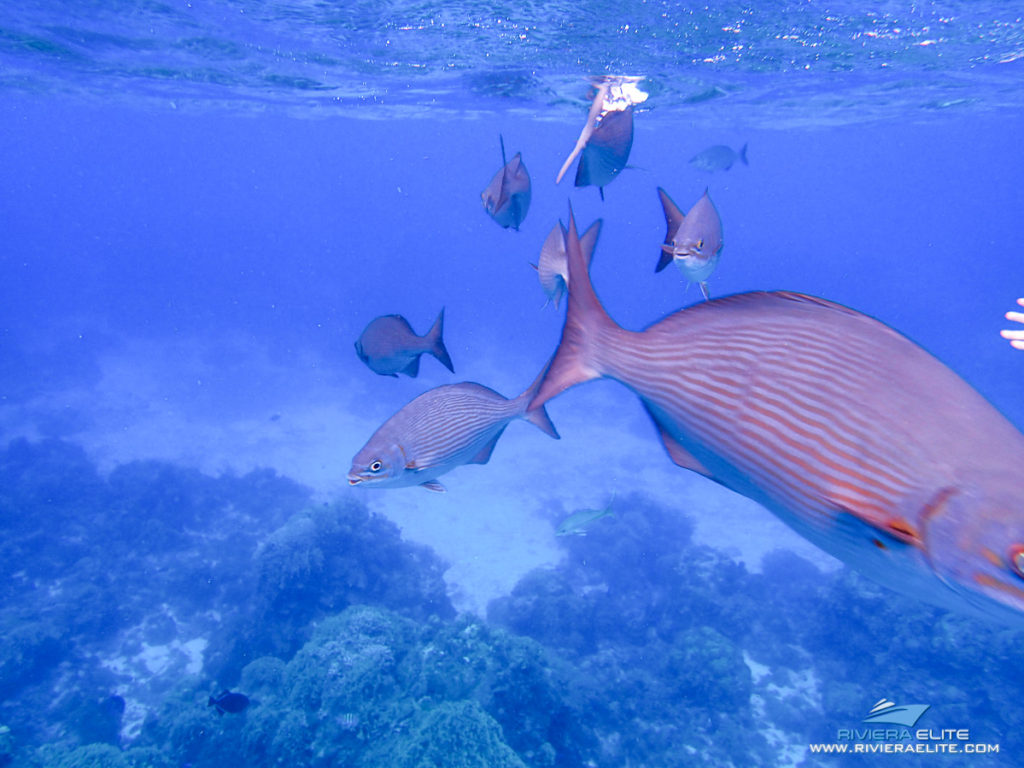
[885, 530]
[485, 453]
[412, 369]
[680, 456]
[433, 485]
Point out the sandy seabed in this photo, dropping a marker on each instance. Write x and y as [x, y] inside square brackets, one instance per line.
[231, 406]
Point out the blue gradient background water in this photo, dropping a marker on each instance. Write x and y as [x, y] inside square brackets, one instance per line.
[198, 216]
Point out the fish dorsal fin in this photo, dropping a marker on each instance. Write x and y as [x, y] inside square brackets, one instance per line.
[433, 485]
[679, 455]
[674, 218]
[484, 455]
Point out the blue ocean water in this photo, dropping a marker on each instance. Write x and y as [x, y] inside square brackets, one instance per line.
[202, 206]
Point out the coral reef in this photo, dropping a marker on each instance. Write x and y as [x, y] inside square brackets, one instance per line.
[130, 599]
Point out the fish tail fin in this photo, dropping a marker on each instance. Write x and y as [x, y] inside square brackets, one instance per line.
[743, 155]
[536, 414]
[585, 320]
[435, 342]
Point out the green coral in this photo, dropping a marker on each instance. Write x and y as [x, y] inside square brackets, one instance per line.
[457, 734]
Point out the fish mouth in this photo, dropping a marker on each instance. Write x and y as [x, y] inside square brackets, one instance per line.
[354, 480]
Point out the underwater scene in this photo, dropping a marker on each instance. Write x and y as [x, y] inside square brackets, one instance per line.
[511, 385]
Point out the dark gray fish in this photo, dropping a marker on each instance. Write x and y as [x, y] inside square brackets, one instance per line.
[442, 429]
[607, 133]
[718, 158]
[389, 346]
[229, 702]
[693, 241]
[507, 197]
[607, 152]
[607, 137]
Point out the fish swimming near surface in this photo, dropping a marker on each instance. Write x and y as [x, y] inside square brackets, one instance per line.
[851, 433]
[606, 140]
[442, 429]
[718, 158]
[227, 701]
[389, 346]
[507, 198]
[578, 522]
[551, 267]
[693, 241]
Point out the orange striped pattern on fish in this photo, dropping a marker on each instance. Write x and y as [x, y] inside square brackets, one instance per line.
[851, 433]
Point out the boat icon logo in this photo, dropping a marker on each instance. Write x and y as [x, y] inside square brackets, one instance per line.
[886, 711]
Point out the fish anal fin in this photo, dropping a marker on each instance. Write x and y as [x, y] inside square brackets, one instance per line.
[484, 455]
[412, 369]
[680, 456]
[434, 485]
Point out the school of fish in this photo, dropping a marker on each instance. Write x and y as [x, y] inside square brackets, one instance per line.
[848, 431]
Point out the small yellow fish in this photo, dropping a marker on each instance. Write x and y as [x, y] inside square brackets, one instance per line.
[577, 523]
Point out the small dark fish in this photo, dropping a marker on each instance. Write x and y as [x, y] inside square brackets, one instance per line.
[229, 702]
[718, 158]
[389, 346]
[607, 137]
[442, 429]
[507, 197]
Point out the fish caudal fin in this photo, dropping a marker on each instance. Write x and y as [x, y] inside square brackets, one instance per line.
[743, 155]
[435, 342]
[585, 319]
[535, 414]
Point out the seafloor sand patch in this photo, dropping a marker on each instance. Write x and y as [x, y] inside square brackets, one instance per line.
[231, 406]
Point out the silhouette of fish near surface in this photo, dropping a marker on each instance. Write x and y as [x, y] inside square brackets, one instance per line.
[227, 701]
[718, 158]
[552, 269]
[442, 429]
[507, 198]
[606, 140]
[852, 434]
[389, 346]
[693, 241]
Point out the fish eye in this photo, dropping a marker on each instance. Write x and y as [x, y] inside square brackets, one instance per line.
[1017, 559]
[376, 465]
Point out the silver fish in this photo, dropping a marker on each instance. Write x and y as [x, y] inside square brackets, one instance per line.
[577, 523]
[848, 431]
[442, 429]
[718, 158]
[551, 267]
[507, 198]
[693, 241]
[389, 346]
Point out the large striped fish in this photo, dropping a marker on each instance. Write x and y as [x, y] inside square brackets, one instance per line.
[851, 433]
[442, 429]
